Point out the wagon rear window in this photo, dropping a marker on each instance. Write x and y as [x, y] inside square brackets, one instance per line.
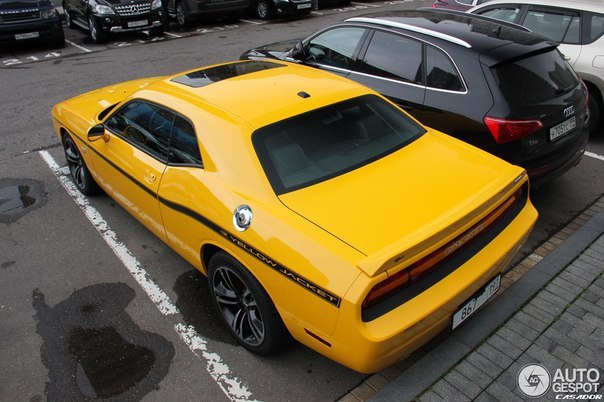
[535, 79]
[330, 141]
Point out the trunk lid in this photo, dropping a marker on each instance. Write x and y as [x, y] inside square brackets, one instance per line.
[426, 190]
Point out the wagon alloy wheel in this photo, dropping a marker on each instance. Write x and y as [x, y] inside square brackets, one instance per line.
[263, 9]
[96, 34]
[68, 18]
[181, 15]
[238, 306]
[77, 168]
[245, 306]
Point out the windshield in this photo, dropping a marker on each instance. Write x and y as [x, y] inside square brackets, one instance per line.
[330, 141]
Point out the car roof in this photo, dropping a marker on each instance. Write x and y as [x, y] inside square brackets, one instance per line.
[596, 6]
[464, 30]
[259, 92]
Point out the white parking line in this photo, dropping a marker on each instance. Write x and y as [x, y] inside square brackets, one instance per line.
[316, 13]
[173, 35]
[364, 4]
[253, 22]
[78, 46]
[234, 389]
[592, 155]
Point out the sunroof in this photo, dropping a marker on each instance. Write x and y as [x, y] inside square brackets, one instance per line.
[207, 76]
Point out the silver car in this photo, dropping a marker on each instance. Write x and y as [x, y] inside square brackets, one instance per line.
[579, 28]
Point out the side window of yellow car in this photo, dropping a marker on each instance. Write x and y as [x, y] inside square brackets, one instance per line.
[144, 125]
[184, 149]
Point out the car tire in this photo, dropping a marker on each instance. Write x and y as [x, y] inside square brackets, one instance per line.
[596, 112]
[68, 17]
[245, 306]
[80, 174]
[182, 18]
[97, 35]
[263, 9]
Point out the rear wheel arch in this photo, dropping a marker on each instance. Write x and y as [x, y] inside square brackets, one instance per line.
[207, 252]
[596, 106]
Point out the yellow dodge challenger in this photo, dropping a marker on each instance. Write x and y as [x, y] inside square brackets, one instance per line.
[315, 207]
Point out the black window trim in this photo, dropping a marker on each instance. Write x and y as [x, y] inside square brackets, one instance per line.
[137, 146]
[557, 10]
[423, 85]
[355, 55]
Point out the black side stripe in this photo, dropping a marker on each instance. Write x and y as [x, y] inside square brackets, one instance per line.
[271, 263]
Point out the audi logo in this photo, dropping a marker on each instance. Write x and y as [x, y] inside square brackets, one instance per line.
[569, 111]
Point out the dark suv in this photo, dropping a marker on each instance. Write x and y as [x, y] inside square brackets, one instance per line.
[30, 20]
[491, 84]
[102, 17]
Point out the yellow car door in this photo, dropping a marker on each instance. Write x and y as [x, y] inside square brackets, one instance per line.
[131, 160]
[185, 198]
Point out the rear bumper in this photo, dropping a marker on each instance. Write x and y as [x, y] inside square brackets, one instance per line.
[548, 168]
[371, 346]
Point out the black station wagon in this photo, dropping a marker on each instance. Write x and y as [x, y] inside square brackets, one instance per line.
[487, 82]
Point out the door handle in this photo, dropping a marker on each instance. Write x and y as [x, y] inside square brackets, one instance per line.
[150, 176]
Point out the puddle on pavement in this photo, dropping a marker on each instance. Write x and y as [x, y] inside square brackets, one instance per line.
[93, 349]
[107, 365]
[195, 305]
[19, 197]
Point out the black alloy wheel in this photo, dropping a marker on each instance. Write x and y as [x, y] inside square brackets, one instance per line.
[68, 17]
[96, 34]
[77, 168]
[263, 9]
[245, 306]
[181, 15]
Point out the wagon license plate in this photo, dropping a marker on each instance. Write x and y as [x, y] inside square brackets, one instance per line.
[475, 302]
[29, 35]
[303, 6]
[562, 128]
[135, 24]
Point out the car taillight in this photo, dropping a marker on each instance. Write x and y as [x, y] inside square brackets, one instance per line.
[504, 130]
[430, 263]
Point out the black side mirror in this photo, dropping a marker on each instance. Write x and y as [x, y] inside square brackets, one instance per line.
[298, 52]
[97, 132]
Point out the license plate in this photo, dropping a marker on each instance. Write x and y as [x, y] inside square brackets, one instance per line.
[562, 128]
[303, 6]
[29, 35]
[135, 24]
[475, 302]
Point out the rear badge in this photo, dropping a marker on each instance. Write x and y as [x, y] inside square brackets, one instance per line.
[242, 218]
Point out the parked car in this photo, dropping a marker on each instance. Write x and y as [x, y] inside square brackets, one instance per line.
[461, 5]
[30, 20]
[579, 28]
[315, 206]
[484, 81]
[187, 12]
[104, 17]
[267, 9]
